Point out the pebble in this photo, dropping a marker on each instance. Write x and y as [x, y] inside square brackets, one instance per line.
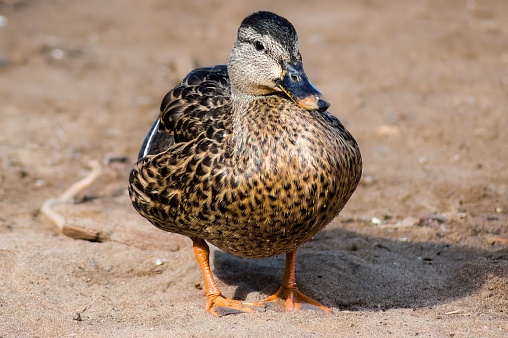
[159, 262]
[57, 54]
[367, 179]
[432, 220]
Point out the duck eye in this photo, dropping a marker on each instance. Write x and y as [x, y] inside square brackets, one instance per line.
[259, 46]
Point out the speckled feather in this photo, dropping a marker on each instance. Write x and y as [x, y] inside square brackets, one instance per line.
[255, 192]
[234, 160]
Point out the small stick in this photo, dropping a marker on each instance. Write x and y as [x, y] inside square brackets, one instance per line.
[68, 195]
[456, 312]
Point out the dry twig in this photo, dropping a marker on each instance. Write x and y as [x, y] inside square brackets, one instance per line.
[67, 197]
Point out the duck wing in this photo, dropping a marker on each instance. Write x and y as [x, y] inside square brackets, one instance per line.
[199, 104]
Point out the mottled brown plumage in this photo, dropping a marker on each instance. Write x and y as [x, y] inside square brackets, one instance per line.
[245, 156]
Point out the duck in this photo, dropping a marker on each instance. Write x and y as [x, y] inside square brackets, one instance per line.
[245, 156]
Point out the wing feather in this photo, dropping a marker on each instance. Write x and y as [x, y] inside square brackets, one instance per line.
[193, 107]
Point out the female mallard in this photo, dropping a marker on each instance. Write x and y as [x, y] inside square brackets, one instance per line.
[246, 157]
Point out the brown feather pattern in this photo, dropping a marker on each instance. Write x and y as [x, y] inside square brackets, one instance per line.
[255, 182]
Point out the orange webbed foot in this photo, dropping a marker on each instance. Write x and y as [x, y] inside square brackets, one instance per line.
[293, 300]
[221, 306]
[288, 294]
[216, 304]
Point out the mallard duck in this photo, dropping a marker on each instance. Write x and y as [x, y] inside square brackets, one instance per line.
[246, 157]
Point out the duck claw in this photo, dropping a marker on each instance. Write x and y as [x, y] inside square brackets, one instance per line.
[222, 306]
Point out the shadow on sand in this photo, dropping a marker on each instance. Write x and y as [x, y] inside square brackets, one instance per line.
[372, 273]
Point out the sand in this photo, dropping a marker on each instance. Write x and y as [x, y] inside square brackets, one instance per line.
[421, 249]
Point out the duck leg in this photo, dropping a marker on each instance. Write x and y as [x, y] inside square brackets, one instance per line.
[288, 292]
[216, 303]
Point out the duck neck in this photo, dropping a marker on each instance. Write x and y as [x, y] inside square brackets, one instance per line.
[256, 128]
[243, 121]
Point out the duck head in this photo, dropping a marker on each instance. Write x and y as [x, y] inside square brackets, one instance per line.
[265, 59]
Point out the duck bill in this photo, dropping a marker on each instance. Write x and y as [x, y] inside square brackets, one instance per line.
[297, 86]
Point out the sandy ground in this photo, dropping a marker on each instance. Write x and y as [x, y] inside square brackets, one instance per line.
[420, 250]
